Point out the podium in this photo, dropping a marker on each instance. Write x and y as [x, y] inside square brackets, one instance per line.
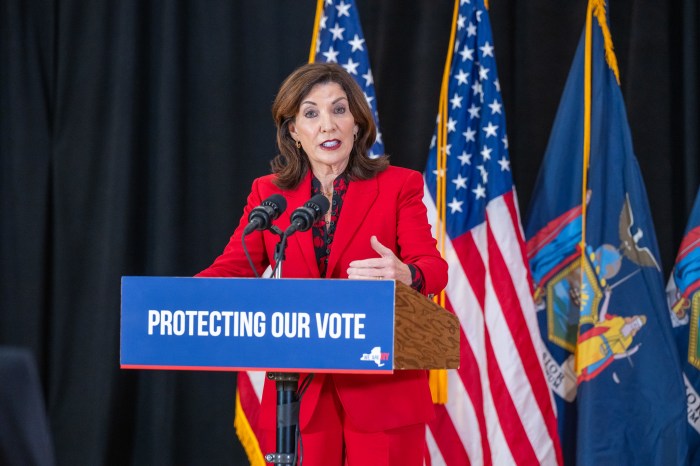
[283, 327]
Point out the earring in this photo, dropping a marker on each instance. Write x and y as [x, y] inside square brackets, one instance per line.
[298, 144]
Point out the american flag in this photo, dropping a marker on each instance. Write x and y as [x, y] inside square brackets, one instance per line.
[499, 409]
[339, 39]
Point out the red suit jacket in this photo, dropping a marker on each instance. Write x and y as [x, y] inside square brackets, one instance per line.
[389, 206]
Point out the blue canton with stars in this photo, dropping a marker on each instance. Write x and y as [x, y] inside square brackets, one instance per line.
[478, 166]
[340, 40]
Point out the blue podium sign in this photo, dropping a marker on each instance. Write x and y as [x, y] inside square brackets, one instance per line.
[280, 325]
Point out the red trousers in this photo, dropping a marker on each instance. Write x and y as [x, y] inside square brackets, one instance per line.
[331, 440]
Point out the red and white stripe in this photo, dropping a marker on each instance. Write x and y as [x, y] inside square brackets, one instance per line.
[500, 410]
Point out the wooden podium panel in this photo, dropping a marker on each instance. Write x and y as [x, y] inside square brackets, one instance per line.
[426, 336]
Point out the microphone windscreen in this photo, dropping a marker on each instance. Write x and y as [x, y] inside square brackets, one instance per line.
[320, 205]
[277, 202]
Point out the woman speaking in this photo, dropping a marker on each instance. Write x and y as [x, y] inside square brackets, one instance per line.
[376, 228]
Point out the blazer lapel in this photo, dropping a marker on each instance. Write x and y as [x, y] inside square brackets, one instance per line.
[356, 204]
[302, 240]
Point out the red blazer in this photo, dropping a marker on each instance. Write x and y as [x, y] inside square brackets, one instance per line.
[389, 206]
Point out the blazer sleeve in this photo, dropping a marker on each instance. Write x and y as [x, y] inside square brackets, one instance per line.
[233, 262]
[416, 245]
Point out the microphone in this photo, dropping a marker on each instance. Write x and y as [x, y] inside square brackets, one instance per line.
[261, 217]
[304, 217]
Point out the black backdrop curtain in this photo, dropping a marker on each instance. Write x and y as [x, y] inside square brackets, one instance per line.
[130, 132]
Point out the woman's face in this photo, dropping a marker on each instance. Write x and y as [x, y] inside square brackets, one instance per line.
[326, 128]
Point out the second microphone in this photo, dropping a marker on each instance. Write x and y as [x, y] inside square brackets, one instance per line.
[304, 217]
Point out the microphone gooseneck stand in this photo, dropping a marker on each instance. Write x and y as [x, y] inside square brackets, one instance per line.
[287, 397]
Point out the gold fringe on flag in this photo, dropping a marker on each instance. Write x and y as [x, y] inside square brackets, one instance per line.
[438, 377]
[247, 436]
[438, 385]
[599, 12]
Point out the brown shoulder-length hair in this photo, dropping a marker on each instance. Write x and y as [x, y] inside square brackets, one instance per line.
[292, 164]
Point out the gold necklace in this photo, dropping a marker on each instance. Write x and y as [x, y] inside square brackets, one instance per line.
[329, 196]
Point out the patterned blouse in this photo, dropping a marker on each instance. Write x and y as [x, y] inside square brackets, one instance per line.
[323, 230]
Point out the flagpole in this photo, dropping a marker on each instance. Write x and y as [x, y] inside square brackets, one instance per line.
[586, 122]
[438, 377]
[314, 37]
[441, 166]
[586, 151]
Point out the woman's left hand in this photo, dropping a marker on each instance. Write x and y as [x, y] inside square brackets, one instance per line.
[388, 266]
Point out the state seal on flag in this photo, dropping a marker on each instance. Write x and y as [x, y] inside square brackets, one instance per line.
[572, 301]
